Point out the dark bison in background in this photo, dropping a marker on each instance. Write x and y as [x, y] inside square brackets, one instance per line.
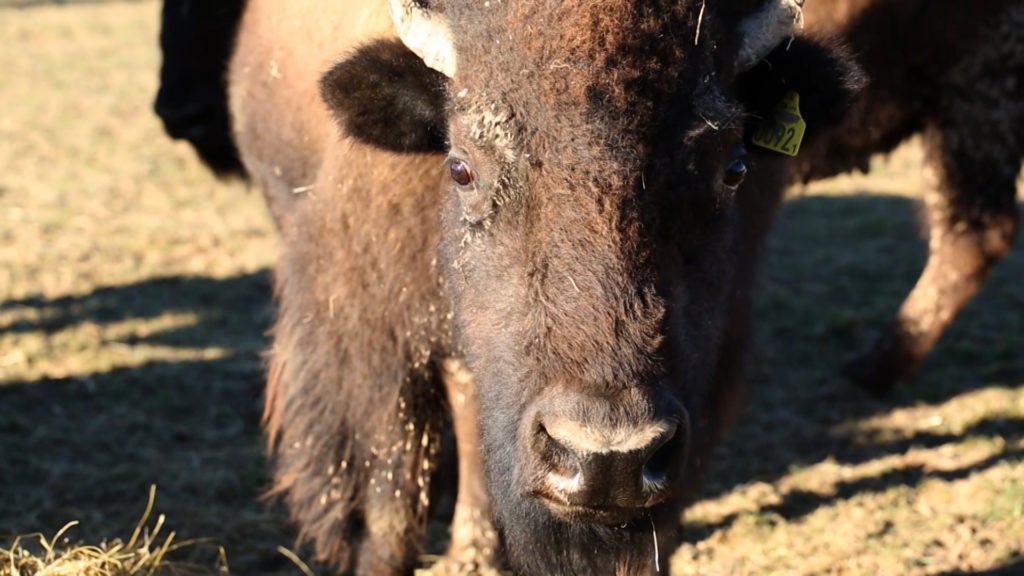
[196, 39]
[532, 218]
[953, 72]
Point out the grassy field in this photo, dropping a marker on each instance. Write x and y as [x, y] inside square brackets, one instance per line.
[134, 301]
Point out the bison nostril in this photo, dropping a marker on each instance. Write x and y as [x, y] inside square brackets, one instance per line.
[543, 441]
[555, 454]
[657, 465]
[661, 455]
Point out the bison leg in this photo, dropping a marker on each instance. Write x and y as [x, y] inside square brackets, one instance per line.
[474, 541]
[352, 460]
[394, 524]
[401, 458]
[972, 224]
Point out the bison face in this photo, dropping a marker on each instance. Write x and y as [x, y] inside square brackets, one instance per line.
[587, 244]
[586, 251]
[591, 240]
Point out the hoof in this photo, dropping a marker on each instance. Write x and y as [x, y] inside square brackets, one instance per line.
[866, 372]
[448, 566]
[474, 549]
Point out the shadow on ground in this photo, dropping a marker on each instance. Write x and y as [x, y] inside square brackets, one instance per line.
[88, 447]
[838, 267]
[233, 312]
[1013, 568]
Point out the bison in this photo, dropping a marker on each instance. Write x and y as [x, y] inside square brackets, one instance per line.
[534, 219]
[955, 74]
[196, 40]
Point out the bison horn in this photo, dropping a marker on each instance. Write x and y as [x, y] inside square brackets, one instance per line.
[762, 31]
[425, 33]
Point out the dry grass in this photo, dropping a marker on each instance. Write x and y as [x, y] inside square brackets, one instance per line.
[134, 299]
[147, 552]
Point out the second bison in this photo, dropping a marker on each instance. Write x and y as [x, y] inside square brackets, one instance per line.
[953, 73]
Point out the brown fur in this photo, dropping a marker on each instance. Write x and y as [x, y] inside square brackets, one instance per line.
[597, 270]
[955, 74]
[358, 303]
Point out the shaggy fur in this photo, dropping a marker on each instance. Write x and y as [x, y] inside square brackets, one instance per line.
[954, 74]
[596, 267]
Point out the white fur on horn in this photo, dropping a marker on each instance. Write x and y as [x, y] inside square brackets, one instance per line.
[765, 29]
[426, 34]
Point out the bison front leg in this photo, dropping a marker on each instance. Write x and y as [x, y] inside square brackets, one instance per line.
[972, 224]
[474, 541]
[353, 454]
[395, 505]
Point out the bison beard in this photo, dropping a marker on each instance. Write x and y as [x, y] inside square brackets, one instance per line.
[540, 543]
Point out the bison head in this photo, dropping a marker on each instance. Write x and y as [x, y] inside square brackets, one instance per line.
[591, 235]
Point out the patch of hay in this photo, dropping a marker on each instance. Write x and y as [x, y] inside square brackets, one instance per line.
[148, 552]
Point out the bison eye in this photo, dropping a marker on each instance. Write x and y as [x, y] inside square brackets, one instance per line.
[734, 174]
[461, 172]
[474, 197]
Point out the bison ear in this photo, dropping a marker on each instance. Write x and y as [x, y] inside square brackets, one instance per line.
[384, 95]
[825, 77]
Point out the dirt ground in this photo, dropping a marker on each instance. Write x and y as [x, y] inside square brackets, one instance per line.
[135, 299]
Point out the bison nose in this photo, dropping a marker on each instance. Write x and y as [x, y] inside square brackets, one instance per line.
[610, 474]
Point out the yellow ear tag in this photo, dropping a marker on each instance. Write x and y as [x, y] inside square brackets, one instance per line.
[784, 130]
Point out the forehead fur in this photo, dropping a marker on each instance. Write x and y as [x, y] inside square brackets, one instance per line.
[599, 69]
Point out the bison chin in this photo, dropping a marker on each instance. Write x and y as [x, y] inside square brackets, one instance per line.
[538, 542]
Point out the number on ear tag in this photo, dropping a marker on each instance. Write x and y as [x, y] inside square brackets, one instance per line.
[784, 130]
